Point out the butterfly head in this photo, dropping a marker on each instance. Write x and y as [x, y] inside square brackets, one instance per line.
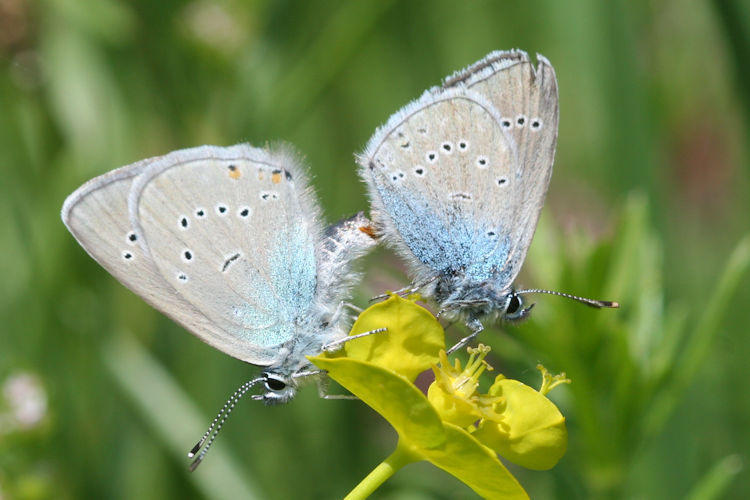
[513, 307]
[458, 295]
[279, 389]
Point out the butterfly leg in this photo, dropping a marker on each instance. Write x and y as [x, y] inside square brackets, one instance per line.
[407, 290]
[351, 306]
[340, 309]
[336, 344]
[323, 391]
[476, 327]
[400, 292]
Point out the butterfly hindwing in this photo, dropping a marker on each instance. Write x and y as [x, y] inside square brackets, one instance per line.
[97, 216]
[440, 176]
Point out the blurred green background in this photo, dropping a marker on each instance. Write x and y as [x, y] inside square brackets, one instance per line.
[102, 396]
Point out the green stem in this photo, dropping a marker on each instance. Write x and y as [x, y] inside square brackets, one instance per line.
[400, 457]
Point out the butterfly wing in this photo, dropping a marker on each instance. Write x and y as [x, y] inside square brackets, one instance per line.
[455, 184]
[282, 269]
[440, 179]
[97, 216]
[526, 98]
[233, 232]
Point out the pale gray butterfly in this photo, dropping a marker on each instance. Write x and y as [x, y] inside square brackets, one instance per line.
[457, 180]
[228, 243]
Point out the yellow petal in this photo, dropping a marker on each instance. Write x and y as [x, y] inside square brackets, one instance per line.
[476, 465]
[409, 346]
[390, 394]
[533, 432]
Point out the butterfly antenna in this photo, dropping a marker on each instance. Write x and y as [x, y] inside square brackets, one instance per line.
[589, 302]
[218, 422]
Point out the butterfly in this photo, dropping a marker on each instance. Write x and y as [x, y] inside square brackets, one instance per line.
[228, 242]
[457, 179]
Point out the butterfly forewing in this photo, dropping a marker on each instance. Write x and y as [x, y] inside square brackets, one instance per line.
[526, 99]
[97, 215]
[241, 252]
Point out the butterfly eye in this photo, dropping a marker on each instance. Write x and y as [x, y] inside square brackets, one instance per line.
[274, 384]
[514, 305]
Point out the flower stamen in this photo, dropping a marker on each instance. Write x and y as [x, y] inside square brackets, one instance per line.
[550, 381]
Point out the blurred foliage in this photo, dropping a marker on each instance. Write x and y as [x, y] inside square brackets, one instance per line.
[655, 99]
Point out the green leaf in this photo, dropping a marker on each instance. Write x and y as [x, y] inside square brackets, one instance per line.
[174, 419]
[716, 481]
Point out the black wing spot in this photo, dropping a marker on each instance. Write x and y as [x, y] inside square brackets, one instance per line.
[132, 237]
[501, 181]
[287, 175]
[187, 255]
[184, 223]
[506, 123]
[200, 212]
[229, 261]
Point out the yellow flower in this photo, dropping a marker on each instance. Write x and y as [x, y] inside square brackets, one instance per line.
[455, 427]
[529, 430]
[454, 393]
